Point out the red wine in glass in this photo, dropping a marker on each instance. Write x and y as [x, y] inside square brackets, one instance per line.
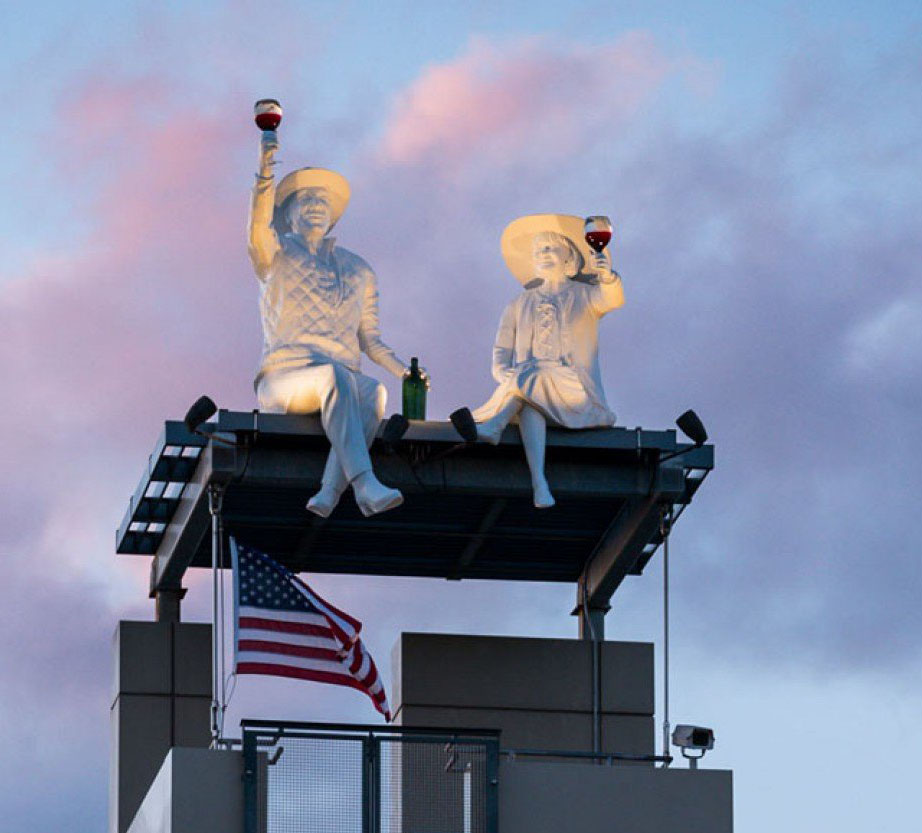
[598, 232]
[268, 114]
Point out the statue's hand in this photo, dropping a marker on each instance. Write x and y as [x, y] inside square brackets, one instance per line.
[423, 373]
[268, 145]
[601, 264]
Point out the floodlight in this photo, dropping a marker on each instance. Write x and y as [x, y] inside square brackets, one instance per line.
[394, 429]
[201, 411]
[463, 420]
[691, 426]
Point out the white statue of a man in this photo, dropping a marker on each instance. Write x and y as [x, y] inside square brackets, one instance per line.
[545, 357]
[319, 306]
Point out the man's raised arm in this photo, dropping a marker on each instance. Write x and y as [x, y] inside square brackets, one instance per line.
[262, 241]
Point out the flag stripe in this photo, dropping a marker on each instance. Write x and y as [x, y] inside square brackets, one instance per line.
[294, 661]
[334, 678]
[299, 673]
[262, 646]
[301, 616]
[289, 638]
[284, 627]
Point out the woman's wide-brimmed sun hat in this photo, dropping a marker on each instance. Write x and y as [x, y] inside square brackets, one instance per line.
[333, 183]
[516, 242]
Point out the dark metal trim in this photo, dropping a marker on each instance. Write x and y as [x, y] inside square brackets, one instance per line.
[250, 784]
[282, 728]
[492, 797]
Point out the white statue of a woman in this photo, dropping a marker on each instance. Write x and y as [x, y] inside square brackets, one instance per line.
[545, 357]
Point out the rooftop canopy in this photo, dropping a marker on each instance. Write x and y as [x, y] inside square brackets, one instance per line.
[468, 511]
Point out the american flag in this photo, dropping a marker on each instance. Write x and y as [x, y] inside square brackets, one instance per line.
[285, 629]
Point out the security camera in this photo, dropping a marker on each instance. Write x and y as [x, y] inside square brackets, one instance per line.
[691, 739]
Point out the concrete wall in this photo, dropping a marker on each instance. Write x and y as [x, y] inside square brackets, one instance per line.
[537, 691]
[161, 698]
[201, 791]
[195, 791]
[554, 797]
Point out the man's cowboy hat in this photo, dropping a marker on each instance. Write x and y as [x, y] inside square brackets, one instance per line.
[333, 183]
[517, 240]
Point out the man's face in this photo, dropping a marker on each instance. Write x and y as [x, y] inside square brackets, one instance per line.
[310, 211]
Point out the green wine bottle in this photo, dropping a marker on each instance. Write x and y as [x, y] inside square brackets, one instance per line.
[414, 392]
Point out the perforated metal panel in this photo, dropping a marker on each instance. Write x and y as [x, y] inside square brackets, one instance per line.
[314, 780]
[428, 786]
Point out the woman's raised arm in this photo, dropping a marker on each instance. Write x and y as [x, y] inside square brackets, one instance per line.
[608, 293]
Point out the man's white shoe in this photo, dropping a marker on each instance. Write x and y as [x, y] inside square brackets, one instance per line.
[372, 496]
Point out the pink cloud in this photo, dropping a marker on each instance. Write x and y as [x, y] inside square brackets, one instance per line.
[105, 332]
[501, 99]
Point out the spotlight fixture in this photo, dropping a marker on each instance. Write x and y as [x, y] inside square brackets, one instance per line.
[394, 429]
[691, 426]
[201, 411]
[464, 424]
[692, 739]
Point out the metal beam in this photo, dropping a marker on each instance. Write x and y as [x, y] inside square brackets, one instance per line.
[623, 542]
[476, 542]
[191, 521]
[498, 474]
[301, 426]
[592, 623]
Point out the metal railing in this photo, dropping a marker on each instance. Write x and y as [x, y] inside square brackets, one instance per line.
[334, 778]
[606, 758]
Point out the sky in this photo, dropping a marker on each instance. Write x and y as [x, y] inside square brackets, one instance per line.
[761, 164]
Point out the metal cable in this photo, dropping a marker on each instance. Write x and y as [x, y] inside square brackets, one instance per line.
[215, 496]
[665, 529]
[221, 624]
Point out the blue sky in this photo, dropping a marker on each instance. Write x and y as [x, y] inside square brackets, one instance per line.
[762, 165]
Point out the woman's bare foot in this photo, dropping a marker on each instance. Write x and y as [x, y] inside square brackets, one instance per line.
[542, 494]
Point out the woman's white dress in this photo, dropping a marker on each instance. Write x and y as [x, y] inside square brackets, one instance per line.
[546, 353]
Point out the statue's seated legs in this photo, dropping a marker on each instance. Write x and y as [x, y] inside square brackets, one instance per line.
[351, 406]
[533, 428]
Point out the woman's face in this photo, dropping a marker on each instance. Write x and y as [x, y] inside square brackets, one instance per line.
[551, 257]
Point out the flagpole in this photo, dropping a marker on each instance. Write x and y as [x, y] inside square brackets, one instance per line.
[215, 502]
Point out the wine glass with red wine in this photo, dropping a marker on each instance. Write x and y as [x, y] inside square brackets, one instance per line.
[268, 114]
[598, 232]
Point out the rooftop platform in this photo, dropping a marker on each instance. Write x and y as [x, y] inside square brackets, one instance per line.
[468, 511]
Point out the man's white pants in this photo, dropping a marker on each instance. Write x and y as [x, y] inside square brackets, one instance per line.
[351, 407]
